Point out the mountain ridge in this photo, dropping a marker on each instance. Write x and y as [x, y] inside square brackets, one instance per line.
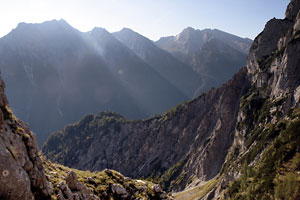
[165, 64]
[52, 68]
[193, 48]
[45, 67]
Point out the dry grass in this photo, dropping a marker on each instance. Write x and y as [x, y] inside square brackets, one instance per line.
[197, 192]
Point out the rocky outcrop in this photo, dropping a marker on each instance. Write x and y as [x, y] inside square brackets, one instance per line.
[21, 170]
[72, 184]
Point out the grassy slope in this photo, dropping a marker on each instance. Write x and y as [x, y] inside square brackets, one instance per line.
[56, 173]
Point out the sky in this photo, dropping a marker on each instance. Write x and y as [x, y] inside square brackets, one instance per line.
[151, 18]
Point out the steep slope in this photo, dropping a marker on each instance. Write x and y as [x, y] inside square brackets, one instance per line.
[150, 90]
[263, 162]
[51, 69]
[26, 175]
[267, 137]
[242, 138]
[177, 73]
[207, 50]
[217, 62]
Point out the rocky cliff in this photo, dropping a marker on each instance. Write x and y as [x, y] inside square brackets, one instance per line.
[264, 159]
[22, 172]
[242, 138]
[263, 162]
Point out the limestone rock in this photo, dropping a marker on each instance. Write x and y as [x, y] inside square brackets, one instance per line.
[292, 9]
[21, 172]
[119, 191]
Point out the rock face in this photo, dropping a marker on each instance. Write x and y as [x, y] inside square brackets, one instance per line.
[250, 126]
[21, 170]
[267, 132]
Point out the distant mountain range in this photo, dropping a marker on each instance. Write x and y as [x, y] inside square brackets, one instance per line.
[55, 74]
[213, 54]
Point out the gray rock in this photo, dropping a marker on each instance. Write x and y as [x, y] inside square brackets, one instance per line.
[21, 171]
[118, 189]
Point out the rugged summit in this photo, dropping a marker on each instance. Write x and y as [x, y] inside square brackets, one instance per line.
[242, 138]
[214, 54]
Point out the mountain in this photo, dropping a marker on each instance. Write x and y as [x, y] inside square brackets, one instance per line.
[56, 74]
[27, 175]
[240, 141]
[177, 73]
[52, 68]
[214, 54]
[191, 40]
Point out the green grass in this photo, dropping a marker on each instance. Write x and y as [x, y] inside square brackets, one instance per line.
[197, 192]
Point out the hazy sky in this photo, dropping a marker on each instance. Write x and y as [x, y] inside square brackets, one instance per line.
[151, 18]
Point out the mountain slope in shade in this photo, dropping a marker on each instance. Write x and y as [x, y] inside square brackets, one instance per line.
[216, 62]
[151, 91]
[56, 74]
[177, 73]
[207, 51]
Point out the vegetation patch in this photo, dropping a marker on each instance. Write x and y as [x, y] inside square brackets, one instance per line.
[269, 178]
[197, 192]
[100, 182]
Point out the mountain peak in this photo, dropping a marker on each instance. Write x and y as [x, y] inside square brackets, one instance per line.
[127, 32]
[100, 32]
[188, 29]
[50, 24]
[125, 29]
